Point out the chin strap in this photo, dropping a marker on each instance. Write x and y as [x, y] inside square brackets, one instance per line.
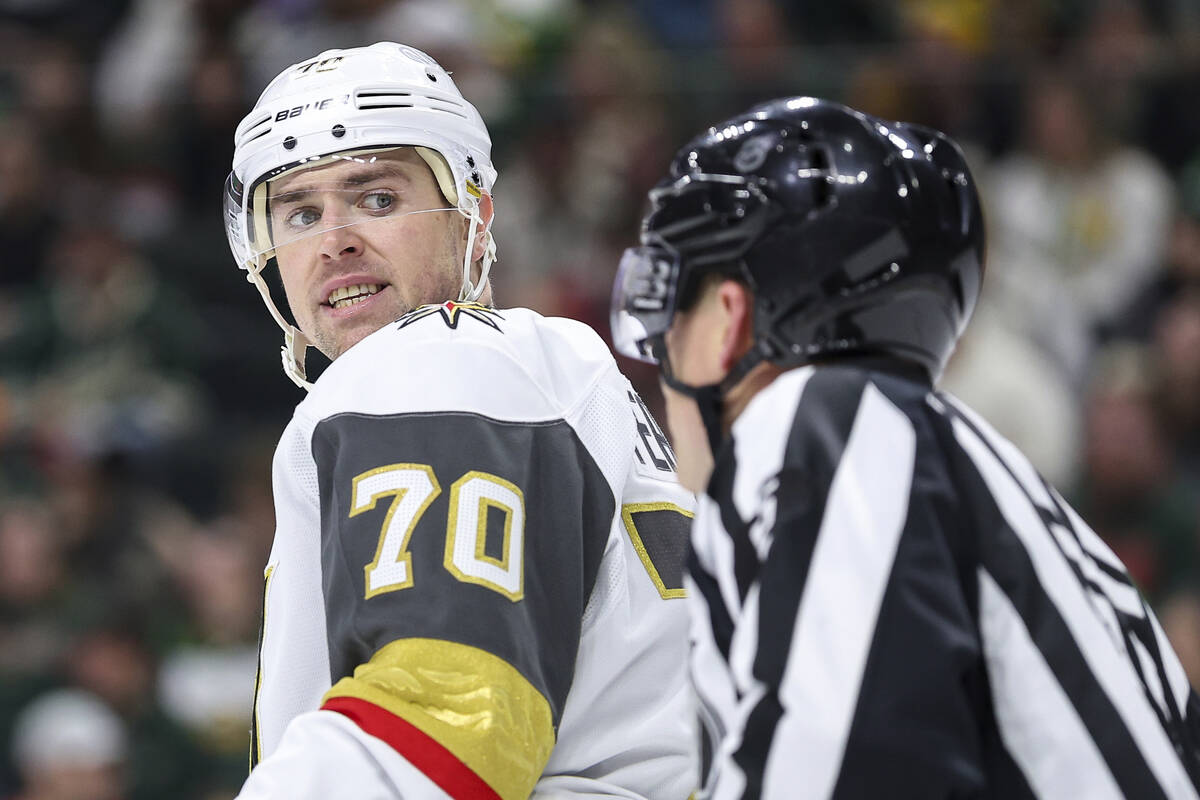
[295, 343]
[710, 398]
[471, 292]
[295, 348]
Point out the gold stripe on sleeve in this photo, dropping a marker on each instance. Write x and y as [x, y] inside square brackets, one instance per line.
[473, 703]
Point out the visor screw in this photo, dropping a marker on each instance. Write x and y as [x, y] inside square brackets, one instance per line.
[289, 143]
[338, 131]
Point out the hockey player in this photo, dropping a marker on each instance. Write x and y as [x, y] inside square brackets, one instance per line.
[473, 589]
[888, 601]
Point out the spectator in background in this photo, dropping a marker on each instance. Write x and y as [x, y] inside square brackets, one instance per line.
[1177, 273]
[112, 659]
[69, 745]
[1130, 491]
[1165, 315]
[206, 680]
[1012, 383]
[34, 597]
[33, 589]
[104, 348]
[1079, 222]
[1177, 340]
[28, 213]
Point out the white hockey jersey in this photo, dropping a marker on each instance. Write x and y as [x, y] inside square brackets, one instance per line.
[473, 587]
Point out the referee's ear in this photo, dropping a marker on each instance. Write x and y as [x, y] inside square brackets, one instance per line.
[736, 305]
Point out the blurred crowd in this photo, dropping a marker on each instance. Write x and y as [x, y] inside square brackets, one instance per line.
[140, 392]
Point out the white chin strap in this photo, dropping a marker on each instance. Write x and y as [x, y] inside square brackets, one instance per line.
[295, 343]
[295, 348]
[471, 292]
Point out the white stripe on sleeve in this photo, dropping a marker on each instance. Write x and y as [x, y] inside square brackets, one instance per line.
[865, 514]
[1112, 670]
[1037, 721]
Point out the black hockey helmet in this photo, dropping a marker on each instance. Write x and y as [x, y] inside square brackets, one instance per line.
[855, 235]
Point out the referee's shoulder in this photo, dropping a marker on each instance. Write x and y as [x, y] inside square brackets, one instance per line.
[812, 409]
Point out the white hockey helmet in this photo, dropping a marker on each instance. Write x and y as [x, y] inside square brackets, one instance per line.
[351, 103]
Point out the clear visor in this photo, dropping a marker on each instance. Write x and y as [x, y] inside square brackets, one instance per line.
[643, 301]
[301, 207]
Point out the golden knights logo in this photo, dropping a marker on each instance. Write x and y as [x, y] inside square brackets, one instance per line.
[452, 312]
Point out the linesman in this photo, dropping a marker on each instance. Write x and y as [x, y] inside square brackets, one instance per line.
[887, 599]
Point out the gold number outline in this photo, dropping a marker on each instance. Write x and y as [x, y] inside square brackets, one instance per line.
[485, 504]
[402, 555]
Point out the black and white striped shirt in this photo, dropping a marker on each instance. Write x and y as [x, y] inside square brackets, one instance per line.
[889, 601]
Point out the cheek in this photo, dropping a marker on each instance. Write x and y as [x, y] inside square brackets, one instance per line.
[289, 265]
[293, 289]
[424, 259]
[688, 437]
[688, 347]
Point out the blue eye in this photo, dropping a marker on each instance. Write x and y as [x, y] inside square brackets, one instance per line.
[302, 218]
[379, 201]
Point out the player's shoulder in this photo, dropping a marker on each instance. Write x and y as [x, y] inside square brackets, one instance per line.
[510, 364]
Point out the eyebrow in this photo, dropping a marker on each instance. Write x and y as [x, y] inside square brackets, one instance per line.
[368, 173]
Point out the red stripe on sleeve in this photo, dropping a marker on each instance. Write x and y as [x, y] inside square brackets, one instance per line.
[425, 753]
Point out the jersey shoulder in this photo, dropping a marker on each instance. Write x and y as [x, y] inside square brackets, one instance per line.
[508, 364]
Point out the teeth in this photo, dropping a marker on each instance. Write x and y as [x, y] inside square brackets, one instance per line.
[352, 295]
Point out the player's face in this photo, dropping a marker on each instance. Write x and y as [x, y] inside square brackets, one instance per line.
[352, 255]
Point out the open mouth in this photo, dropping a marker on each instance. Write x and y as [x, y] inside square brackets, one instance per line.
[348, 296]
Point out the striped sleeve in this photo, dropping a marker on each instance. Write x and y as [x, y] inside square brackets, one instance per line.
[903, 608]
[1080, 669]
[839, 668]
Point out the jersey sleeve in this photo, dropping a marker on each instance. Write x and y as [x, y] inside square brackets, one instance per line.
[458, 552]
[1078, 663]
[326, 755]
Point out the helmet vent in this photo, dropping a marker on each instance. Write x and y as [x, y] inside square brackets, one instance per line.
[385, 99]
[256, 131]
[821, 164]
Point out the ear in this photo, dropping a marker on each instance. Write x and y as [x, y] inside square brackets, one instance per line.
[486, 211]
[737, 314]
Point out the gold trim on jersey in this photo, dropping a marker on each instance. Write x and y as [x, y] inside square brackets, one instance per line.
[627, 512]
[256, 738]
[473, 703]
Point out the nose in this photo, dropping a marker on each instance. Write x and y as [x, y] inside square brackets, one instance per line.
[340, 241]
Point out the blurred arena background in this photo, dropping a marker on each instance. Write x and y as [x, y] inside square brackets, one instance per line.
[140, 390]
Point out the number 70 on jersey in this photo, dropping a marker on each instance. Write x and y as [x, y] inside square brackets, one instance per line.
[413, 488]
